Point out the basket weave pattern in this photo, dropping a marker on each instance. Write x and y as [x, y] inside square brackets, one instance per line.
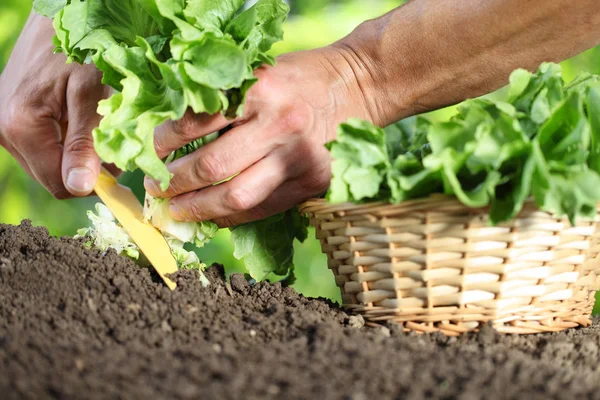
[436, 265]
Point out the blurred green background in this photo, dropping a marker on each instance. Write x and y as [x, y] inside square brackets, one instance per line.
[312, 23]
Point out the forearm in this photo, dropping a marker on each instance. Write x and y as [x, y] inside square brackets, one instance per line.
[432, 53]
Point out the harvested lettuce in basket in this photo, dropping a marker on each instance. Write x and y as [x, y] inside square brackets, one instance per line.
[163, 57]
[542, 141]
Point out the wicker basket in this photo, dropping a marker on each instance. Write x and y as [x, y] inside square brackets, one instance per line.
[436, 265]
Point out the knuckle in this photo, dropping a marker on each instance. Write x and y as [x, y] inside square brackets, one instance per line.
[195, 212]
[316, 182]
[20, 113]
[239, 199]
[209, 168]
[186, 126]
[266, 82]
[175, 187]
[268, 89]
[160, 145]
[296, 119]
[80, 144]
[39, 100]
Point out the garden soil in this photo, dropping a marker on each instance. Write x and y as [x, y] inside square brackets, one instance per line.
[77, 324]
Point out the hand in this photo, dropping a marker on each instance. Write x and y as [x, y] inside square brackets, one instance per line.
[48, 112]
[277, 147]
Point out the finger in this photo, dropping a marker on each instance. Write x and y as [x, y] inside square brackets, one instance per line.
[173, 135]
[230, 154]
[240, 194]
[279, 201]
[285, 197]
[41, 146]
[80, 163]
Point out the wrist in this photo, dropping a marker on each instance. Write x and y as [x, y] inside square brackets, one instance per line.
[398, 71]
[381, 85]
[358, 79]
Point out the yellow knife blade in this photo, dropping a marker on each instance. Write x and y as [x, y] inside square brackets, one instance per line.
[126, 208]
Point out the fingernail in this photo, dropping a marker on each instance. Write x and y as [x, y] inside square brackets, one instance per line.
[80, 180]
[176, 212]
[151, 186]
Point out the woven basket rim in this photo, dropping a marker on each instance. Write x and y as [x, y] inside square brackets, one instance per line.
[435, 202]
[322, 206]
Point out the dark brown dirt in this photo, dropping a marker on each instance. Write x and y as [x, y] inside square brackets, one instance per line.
[77, 324]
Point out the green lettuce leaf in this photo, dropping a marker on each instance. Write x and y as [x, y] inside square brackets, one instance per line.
[258, 28]
[361, 158]
[211, 15]
[593, 112]
[48, 8]
[267, 247]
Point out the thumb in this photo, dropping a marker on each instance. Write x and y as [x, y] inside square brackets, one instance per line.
[81, 164]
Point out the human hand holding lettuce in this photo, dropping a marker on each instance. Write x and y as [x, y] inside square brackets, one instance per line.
[276, 143]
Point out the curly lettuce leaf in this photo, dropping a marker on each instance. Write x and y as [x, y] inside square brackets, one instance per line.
[407, 135]
[211, 15]
[258, 28]
[360, 160]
